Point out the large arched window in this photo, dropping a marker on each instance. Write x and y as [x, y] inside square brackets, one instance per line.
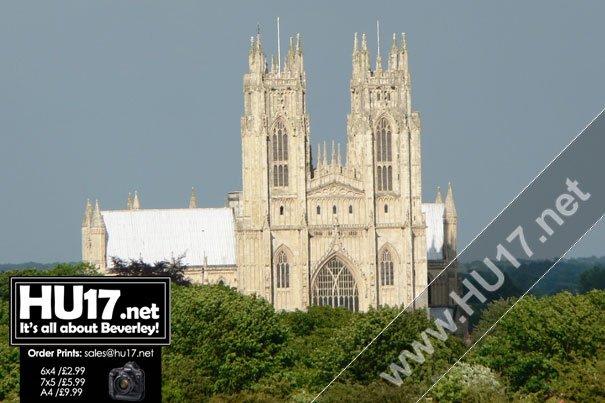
[335, 286]
[384, 155]
[283, 270]
[279, 141]
[386, 269]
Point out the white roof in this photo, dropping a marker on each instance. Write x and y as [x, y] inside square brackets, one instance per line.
[161, 234]
[434, 232]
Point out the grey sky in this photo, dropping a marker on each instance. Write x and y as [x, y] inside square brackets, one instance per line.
[101, 98]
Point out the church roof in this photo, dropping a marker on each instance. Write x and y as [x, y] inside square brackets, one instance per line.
[161, 234]
[434, 232]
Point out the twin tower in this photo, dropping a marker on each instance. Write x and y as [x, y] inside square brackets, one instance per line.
[317, 231]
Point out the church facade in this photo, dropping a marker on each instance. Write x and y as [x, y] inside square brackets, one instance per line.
[308, 229]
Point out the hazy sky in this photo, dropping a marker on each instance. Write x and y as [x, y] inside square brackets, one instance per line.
[100, 98]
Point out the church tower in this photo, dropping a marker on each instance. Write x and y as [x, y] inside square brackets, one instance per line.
[347, 235]
[276, 165]
[384, 150]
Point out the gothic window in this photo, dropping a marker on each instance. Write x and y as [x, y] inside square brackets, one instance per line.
[283, 270]
[279, 145]
[335, 286]
[281, 210]
[318, 210]
[333, 209]
[386, 208]
[384, 156]
[386, 269]
[350, 209]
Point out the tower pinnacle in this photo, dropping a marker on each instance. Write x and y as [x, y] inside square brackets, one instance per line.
[193, 199]
[450, 206]
[136, 203]
[439, 199]
[97, 218]
[87, 221]
[393, 54]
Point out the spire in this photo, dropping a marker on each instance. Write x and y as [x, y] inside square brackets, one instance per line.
[97, 218]
[193, 199]
[438, 199]
[378, 58]
[278, 51]
[258, 38]
[378, 36]
[318, 156]
[339, 158]
[403, 54]
[251, 44]
[357, 65]
[137, 203]
[365, 53]
[87, 220]
[273, 64]
[299, 54]
[298, 44]
[450, 207]
[291, 57]
[325, 161]
[333, 154]
[129, 202]
[393, 55]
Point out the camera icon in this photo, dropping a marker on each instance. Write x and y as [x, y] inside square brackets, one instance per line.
[127, 383]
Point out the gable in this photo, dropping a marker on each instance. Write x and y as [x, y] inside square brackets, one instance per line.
[335, 189]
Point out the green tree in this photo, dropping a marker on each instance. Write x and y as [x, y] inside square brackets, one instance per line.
[9, 356]
[229, 342]
[592, 279]
[539, 335]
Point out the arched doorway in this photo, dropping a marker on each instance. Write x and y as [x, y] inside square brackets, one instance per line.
[335, 286]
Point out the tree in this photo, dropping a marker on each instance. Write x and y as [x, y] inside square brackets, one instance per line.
[229, 341]
[539, 336]
[9, 356]
[592, 279]
[175, 269]
[469, 383]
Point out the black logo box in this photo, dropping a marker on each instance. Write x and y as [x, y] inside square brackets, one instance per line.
[135, 293]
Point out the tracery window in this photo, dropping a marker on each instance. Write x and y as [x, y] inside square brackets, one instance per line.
[335, 286]
[387, 276]
[279, 141]
[384, 156]
[283, 270]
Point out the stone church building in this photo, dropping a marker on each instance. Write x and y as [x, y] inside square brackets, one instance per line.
[308, 229]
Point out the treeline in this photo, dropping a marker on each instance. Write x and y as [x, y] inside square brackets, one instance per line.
[565, 276]
[231, 347]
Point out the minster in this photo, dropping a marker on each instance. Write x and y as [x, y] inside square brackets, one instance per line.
[308, 228]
